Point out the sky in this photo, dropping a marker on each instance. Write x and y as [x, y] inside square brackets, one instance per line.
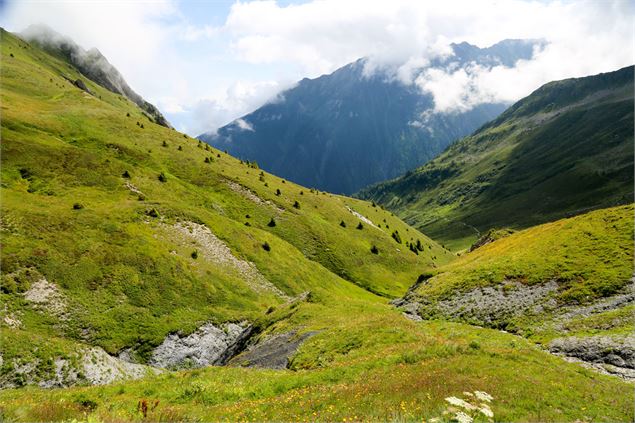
[207, 63]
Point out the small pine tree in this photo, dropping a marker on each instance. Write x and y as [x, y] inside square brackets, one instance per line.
[78, 206]
[360, 226]
[374, 249]
[343, 224]
[125, 174]
[271, 223]
[194, 254]
[141, 126]
[206, 159]
[218, 155]
[247, 224]
[266, 246]
[261, 178]
[162, 177]
[164, 144]
[180, 148]
[206, 147]
[296, 205]
[278, 191]
[301, 192]
[396, 237]
[200, 144]
[419, 246]
[128, 114]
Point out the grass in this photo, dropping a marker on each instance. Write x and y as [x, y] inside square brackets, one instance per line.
[590, 256]
[127, 279]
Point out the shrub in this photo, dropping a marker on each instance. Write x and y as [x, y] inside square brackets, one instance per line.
[206, 147]
[141, 126]
[218, 155]
[164, 144]
[206, 160]
[419, 246]
[194, 254]
[360, 226]
[296, 205]
[180, 148]
[162, 177]
[200, 144]
[343, 224]
[396, 237]
[128, 114]
[266, 246]
[271, 223]
[301, 192]
[475, 345]
[125, 174]
[247, 224]
[374, 249]
[278, 192]
[78, 206]
[152, 212]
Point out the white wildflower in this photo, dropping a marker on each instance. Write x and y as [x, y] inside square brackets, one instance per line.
[461, 417]
[460, 403]
[483, 396]
[486, 410]
[468, 394]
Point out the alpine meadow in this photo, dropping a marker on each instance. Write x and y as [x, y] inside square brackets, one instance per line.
[435, 223]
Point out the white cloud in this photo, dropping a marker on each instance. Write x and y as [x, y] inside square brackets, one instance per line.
[244, 125]
[204, 72]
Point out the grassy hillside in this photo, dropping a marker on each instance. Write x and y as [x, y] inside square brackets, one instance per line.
[117, 232]
[542, 272]
[566, 148]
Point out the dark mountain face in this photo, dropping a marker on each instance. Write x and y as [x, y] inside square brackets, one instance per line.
[92, 64]
[565, 149]
[344, 131]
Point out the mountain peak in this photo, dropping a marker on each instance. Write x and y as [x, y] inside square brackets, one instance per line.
[91, 63]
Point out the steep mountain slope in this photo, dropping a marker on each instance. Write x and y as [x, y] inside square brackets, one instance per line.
[92, 64]
[566, 148]
[130, 249]
[344, 131]
[566, 284]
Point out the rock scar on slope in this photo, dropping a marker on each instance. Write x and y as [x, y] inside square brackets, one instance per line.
[213, 249]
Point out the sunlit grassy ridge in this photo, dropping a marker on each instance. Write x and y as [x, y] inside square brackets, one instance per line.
[127, 279]
[590, 255]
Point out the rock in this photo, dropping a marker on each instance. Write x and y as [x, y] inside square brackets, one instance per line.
[274, 352]
[208, 345]
[617, 351]
[81, 85]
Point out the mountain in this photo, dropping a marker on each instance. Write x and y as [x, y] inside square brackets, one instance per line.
[344, 131]
[192, 286]
[564, 149]
[91, 64]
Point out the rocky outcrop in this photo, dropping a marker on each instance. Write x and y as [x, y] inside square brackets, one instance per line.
[611, 354]
[487, 306]
[88, 366]
[617, 351]
[274, 352]
[208, 345]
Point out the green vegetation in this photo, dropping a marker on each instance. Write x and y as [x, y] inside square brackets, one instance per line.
[125, 273]
[589, 256]
[565, 149]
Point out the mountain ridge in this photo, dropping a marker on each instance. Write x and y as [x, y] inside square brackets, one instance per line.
[562, 150]
[346, 130]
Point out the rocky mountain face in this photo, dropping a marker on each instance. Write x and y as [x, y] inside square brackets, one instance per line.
[92, 64]
[565, 149]
[344, 131]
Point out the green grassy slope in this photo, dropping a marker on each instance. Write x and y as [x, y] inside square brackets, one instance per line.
[127, 278]
[566, 148]
[590, 257]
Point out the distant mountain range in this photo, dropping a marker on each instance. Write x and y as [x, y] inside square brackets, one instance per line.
[344, 131]
[92, 64]
[565, 149]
